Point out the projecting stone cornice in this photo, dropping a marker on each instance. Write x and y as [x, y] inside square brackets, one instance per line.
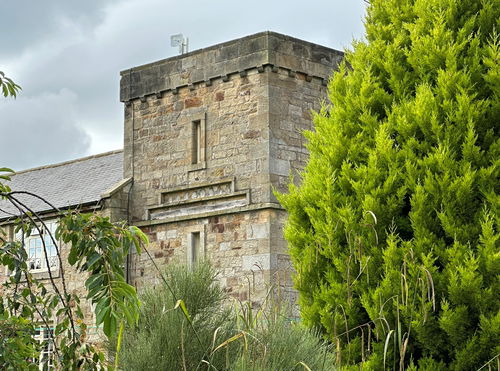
[262, 51]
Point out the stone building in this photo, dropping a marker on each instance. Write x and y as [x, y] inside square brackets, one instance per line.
[209, 136]
[92, 184]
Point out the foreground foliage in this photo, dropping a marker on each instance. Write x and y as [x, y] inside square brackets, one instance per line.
[186, 323]
[168, 338]
[278, 344]
[8, 87]
[394, 230]
[97, 250]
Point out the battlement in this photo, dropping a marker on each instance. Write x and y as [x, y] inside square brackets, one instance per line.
[233, 57]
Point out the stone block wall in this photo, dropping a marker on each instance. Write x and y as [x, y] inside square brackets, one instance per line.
[243, 105]
[237, 244]
[290, 114]
[234, 114]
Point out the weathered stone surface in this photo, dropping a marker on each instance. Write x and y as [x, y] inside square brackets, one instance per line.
[256, 262]
[251, 141]
[236, 56]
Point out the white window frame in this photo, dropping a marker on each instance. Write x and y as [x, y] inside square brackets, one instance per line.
[35, 250]
[45, 359]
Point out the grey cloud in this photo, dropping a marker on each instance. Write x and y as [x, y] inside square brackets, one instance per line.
[26, 22]
[107, 36]
[41, 130]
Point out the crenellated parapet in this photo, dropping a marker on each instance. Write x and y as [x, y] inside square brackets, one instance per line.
[237, 57]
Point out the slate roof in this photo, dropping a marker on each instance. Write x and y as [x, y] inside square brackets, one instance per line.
[68, 184]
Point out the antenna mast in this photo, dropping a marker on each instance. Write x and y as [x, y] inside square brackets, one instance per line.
[181, 42]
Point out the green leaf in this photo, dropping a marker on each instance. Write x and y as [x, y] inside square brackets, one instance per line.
[109, 327]
[180, 304]
[73, 256]
[93, 259]
[386, 345]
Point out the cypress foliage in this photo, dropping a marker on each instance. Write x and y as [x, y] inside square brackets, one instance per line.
[394, 230]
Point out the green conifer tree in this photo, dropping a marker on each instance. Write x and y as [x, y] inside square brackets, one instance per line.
[394, 230]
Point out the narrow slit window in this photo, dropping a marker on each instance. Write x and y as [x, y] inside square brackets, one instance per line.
[195, 247]
[196, 142]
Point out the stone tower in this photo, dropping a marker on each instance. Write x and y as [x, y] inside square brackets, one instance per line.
[208, 136]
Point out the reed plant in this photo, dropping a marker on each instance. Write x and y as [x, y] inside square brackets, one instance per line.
[188, 323]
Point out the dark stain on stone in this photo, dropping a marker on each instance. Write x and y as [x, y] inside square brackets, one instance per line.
[251, 134]
[219, 96]
[218, 228]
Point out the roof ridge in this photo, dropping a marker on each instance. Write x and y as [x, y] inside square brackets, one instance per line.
[69, 161]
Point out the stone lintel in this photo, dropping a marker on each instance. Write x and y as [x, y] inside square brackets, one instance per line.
[232, 57]
[242, 209]
[230, 179]
[199, 205]
[199, 198]
[244, 193]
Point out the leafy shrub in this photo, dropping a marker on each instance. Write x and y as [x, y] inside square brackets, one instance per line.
[165, 339]
[222, 337]
[279, 345]
[394, 230]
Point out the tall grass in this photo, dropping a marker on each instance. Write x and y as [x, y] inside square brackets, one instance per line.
[166, 339]
[209, 334]
[283, 346]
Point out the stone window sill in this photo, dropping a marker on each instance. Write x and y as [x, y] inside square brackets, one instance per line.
[199, 166]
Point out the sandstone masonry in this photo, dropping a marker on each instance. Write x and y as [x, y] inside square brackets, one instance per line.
[209, 135]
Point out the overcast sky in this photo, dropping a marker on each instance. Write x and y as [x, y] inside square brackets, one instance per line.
[67, 55]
